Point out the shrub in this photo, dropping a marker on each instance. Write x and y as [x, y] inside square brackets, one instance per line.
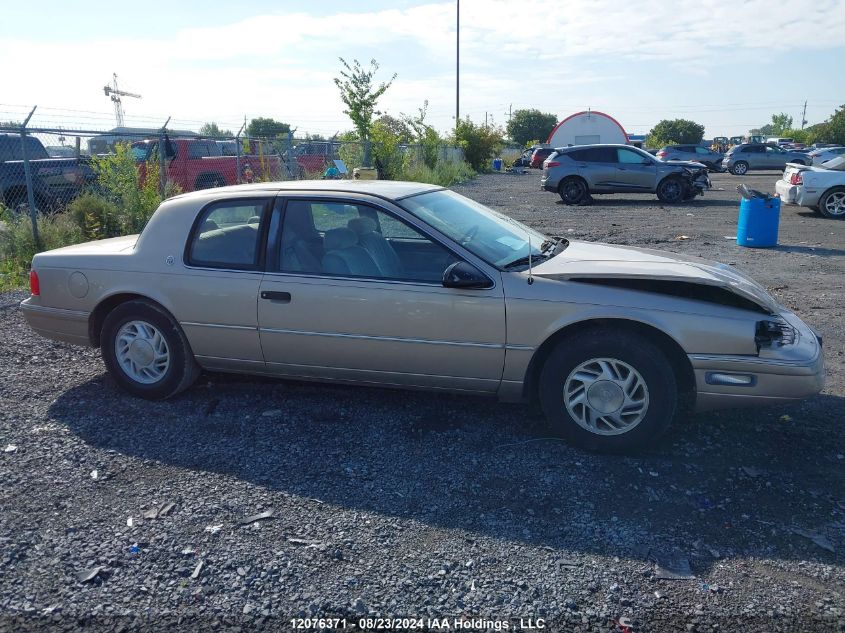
[444, 173]
[480, 143]
[17, 246]
[96, 217]
[136, 197]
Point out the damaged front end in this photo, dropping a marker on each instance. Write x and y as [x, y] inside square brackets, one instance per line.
[697, 179]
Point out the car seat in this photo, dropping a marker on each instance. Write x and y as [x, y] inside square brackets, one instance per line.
[377, 246]
[344, 256]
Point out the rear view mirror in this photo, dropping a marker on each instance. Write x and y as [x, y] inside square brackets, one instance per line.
[464, 275]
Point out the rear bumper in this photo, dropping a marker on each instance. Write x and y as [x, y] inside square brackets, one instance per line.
[797, 194]
[547, 184]
[779, 378]
[67, 326]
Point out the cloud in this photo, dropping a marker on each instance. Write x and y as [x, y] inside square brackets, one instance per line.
[528, 52]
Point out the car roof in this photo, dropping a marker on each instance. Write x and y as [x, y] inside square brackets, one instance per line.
[389, 189]
[570, 148]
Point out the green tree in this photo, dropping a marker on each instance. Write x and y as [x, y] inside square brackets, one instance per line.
[267, 128]
[780, 123]
[527, 125]
[670, 132]
[833, 130]
[212, 130]
[397, 127]
[480, 143]
[359, 94]
[424, 135]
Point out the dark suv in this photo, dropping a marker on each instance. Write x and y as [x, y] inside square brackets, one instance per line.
[576, 172]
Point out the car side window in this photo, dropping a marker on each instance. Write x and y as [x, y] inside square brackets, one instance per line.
[357, 240]
[600, 155]
[226, 235]
[628, 157]
[702, 150]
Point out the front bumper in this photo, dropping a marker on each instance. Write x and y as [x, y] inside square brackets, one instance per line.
[781, 375]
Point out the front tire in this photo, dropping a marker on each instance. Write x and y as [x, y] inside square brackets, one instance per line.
[671, 190]
[573, 191]
[832, 203]
[146, 351]
[739, 168]
[608, 391]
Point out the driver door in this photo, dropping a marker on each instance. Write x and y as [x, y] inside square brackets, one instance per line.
[353, 292]
[632, 172]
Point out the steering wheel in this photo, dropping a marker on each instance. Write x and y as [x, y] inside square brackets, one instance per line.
[469, 235]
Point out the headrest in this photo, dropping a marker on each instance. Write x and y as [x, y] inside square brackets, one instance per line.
[338, 239]
[362, 225]
[254, 220]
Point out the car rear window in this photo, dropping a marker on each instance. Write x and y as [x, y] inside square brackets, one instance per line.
[226, 235]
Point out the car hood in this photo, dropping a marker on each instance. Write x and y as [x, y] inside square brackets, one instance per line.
[591, 260]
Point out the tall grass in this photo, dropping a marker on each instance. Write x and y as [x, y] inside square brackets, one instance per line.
[17, 246]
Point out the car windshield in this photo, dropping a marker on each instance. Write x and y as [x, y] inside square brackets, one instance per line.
[495, 238]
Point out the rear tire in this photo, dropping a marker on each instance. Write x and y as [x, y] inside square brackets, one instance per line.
[586, 376]
[573, 190]
[146, 351]
[671, 190]
[739, 168]
[832, 203]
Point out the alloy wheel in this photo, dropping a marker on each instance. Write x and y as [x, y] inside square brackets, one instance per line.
[606, 396]
[142, 352]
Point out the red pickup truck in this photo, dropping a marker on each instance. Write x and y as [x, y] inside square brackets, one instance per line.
[200, 164]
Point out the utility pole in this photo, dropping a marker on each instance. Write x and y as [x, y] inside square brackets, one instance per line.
[509, 113]
[804, 116]
[458, 66]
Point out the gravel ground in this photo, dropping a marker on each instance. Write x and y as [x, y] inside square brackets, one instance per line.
[385, 503]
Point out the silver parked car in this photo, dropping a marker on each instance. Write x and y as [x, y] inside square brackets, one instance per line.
[692, 153]
[825, 154]
[411, 285]
[577, 172]
[741, 158]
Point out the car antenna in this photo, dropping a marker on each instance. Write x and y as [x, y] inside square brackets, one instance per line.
[530, 276]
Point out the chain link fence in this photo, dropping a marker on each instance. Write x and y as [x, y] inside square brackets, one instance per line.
[48, 159]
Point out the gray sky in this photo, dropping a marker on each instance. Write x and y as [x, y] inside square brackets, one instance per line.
[726, 64]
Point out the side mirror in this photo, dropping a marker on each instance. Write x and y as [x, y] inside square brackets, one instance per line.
[464, 275]
[648, 161]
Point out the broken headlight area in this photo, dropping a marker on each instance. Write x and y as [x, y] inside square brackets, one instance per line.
[772, 333]
[697, 178]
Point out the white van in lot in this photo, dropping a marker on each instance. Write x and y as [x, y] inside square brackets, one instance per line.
[780, 140]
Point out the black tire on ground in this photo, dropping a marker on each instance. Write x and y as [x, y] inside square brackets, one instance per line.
[671, 190]
[602, 343]
[739, 168]
[182, 370]
[832, 203]
[573, 190]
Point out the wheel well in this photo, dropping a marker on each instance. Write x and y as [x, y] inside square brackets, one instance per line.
[99, 314]
[572, 177]
[674, 352]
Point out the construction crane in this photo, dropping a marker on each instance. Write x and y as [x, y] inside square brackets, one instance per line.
[115, 94]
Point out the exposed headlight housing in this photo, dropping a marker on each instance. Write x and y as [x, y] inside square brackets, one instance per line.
[773, 333]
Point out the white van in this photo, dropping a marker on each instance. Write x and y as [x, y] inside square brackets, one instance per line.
[780, 140]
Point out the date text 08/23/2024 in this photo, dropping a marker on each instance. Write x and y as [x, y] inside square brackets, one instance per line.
[404, 624]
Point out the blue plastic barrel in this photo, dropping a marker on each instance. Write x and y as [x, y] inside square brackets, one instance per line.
[497, 164]
[758, 222]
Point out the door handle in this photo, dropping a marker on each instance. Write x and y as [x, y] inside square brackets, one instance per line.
[270, 295]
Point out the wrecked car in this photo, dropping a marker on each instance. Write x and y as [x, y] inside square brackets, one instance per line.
[410, 285]
[578, 172]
